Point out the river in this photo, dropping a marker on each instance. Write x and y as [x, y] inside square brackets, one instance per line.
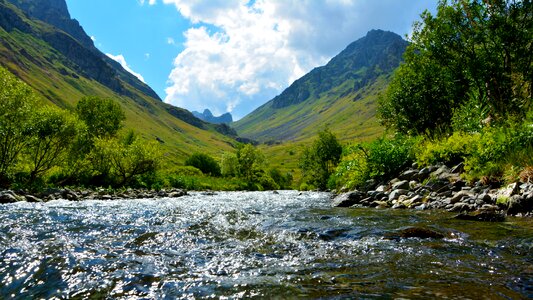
[255, 245]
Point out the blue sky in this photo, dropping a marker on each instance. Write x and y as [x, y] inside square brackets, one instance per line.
[233, 55]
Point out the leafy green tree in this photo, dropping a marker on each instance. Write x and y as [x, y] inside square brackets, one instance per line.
[249, 161]
[119, 162]
[17, 102]
[319, 161]
[229, 165]
[52, 133]
[477, 50]
[204, 163]
[103, 116]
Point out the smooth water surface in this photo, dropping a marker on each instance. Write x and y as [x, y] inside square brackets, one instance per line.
[254, 245]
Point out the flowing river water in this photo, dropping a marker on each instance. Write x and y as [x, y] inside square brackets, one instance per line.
[255, 245]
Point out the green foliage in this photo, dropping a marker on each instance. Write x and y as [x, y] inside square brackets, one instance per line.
[477, 51]
[450, 151]
[17, 103]
[249, 161]
[102, 116]
[120, 163]
[228, 165]
[51, 136]
[379, 160]
[205, 163]
[319, 161]
[284, 181]
[501, 149]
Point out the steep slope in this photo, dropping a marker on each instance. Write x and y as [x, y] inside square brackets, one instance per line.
[341, 95]
[43, 46]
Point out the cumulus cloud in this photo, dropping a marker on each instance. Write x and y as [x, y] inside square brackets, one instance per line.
[122, 61]
[240, 54]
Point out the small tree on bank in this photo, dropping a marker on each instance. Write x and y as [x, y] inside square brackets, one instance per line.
[319, 161]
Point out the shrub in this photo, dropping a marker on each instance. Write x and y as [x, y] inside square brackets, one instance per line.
[319, 161]
[204, 163]
[380, 160]
[449, 151]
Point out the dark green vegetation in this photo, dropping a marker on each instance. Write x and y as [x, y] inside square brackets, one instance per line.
[44, 145]
[341, 94]
[463, 94]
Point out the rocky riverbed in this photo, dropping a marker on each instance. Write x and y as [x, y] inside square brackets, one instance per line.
[9, 196]
[441, 187]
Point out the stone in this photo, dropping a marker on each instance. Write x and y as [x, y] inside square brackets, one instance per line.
[415, 232]
[396, 194]
[177, 194]
[413, 201]
[459, 196]
[380, 204]
[347, 199]
[520, 204]
[33, 199]
[401, 185]
[458, 168]
[440, 171]
[423, 174]
[461, 207]
[381, 188]
[485, 198]
[508, 191]
[409, 175]
[482, 215]
[7, 198]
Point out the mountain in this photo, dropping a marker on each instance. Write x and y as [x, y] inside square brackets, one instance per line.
[341, 95]
[207, 116]
[41, 44]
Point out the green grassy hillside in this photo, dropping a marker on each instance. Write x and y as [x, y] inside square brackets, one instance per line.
[341, 95]
[63, 69]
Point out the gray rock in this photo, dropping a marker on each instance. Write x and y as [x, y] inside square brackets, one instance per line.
[441, 170]
[177, 194]
[347, 199]
[485, 198]
[34, 199]
[458, 169]
[520, 204]
[459, 196]
[7, 198]
[461, 207]
[381, 188]
[415, 232]
[423, 174]
[409, 175]
[394, 195]
[401, 185]
[482, 215]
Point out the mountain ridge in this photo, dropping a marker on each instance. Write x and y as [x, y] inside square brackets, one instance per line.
[208, 116]
[346, 87]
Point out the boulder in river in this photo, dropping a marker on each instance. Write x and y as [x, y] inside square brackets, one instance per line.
[347, 199]
[482, 215]
[415, 232]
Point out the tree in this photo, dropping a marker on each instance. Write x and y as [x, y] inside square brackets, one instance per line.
[52, 133]
[477, 50]
[318, 162]
[17, 102]
[103, 116]
[249, 161]
[121, 161]
[204, 163]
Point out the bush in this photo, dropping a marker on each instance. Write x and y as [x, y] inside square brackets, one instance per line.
[204, 163]
[448, 151]
[380, 160]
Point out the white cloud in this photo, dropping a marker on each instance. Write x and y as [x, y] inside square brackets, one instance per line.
[150, 2]
[171, 41]
[241, 53]
[122, 61]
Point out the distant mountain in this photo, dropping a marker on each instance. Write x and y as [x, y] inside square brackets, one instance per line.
[208, 117]
[341, 95]
[42, 45]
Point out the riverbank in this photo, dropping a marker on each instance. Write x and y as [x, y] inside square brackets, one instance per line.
[441, 187]
[9, 196]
